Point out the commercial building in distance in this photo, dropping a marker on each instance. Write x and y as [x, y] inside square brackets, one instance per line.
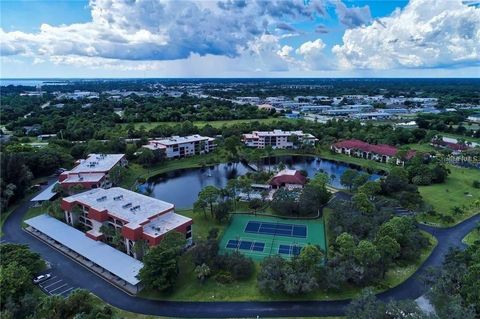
[135, 216]
[381, 152]
[92, 172]
[176, 146]
[278, 139]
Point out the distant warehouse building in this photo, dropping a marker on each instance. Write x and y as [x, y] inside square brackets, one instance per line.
[92, 172]
[135, 216]
[278, 139]
[176, 146]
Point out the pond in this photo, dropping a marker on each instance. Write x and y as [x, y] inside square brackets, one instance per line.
[182, 186]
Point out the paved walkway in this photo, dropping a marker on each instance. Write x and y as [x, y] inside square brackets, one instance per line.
[78, 276]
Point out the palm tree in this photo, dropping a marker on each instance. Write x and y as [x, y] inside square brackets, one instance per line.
[140, 247]
[269, 151]
[202, 272]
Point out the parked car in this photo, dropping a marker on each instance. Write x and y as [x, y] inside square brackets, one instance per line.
[41, 278]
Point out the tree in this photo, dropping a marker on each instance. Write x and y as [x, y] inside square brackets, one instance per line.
[367, 306]
[15, 280]
[366, 253]
[209, 196]
[202, 272]
[22, 256]
[370, 189]
[348, 177]
[255, 204]
[173, 240]
[221, 210]
[146, 157]
[361, 202]
[231, 145]
[160, 268]
[312, 199]
[310, 256]
[204, 252]
[346, 244]
[359, 180]
[272, 274]
[285, 202]
[117, 174]
[389, 249]
[140, 248]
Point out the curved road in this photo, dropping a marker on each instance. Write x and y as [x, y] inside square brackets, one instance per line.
[83, 278]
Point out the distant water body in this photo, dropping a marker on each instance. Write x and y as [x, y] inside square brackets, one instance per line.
[31, 82]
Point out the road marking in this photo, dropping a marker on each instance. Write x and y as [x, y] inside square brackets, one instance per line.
[56, 282]
[50, 292]
[44, 282]
[61, 293]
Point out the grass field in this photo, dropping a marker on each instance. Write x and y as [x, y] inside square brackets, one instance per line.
[216, 124]
[273, 241]
[458, 191]
[472, 237]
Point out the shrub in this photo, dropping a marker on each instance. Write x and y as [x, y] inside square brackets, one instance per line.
[224, 277]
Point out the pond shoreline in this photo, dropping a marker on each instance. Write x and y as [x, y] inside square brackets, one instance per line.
[180, 186]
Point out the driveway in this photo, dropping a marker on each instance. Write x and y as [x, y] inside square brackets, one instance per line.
[76, 275]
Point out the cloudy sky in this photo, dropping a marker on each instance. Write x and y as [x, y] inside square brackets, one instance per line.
[240, 38]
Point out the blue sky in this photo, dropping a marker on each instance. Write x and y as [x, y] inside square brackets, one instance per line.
[229, 38]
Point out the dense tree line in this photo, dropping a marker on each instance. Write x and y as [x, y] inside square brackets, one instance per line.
[20, 164]
[450, 122]
[456, 286]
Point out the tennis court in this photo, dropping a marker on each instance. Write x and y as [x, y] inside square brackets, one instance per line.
[258, 237]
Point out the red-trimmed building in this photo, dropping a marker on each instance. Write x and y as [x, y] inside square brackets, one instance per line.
[92, 172]
[455, 147]
[377, 152]
[288, 178]
[136, 216]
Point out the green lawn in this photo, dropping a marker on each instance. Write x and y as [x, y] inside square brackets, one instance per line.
[457, 191]
[421, 147]
[472, 237]
[216, 124]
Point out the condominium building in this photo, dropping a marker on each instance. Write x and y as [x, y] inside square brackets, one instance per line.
[134, 216]
[278, 139]
[176, 146]
[92, 172]
[377, 152]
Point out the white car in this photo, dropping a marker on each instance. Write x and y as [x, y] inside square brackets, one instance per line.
[41, 278]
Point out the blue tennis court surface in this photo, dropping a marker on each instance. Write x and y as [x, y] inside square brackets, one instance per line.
[277, 229]
[245, 245]
[293, 250]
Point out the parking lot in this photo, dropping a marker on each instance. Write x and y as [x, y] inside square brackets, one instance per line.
[56, 285]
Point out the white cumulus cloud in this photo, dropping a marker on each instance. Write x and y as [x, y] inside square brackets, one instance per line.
[424, 34]
[163, 30]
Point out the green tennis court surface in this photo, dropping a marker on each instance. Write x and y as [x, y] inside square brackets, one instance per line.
[259, 237]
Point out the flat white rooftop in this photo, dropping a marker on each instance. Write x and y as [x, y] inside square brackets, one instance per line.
[130, 206]
[109, 258]
[84, 177]
[165, 223]
[182, 139]
[286, 171]
[97, 163]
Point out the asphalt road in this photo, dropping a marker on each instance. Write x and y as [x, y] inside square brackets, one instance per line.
[75, 275]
